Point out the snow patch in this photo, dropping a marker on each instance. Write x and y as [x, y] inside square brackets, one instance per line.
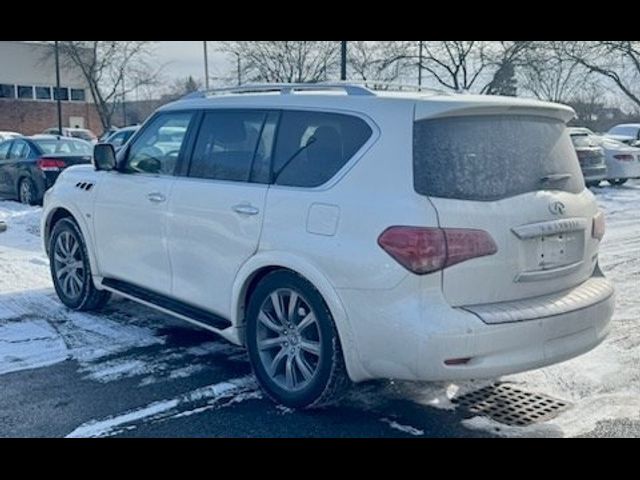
[403, 428]
[239, 387]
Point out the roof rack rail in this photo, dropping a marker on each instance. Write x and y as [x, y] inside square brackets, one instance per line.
[284, 88]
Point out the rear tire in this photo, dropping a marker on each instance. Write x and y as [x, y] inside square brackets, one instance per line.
[294, 349]
[70, 268]
[617, 181]
[27, 193]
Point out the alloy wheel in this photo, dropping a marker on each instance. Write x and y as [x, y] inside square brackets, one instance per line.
[289, 339]
[69, 265]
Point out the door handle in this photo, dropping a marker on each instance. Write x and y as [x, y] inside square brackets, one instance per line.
[245, 209]
[156, 197]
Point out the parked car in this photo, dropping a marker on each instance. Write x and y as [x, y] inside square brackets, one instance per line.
[9, 135]
[342, 234]
[81, 133]
[628, 133]
[119, 137]
[623, 161]
[590, 155]
[30, 165]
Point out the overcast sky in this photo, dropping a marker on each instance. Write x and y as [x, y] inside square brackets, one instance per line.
[182, 59]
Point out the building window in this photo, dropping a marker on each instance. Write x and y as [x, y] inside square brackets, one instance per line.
[63, 92]
[77, 94]
[43, 93]
[25, 91]
[7, 91]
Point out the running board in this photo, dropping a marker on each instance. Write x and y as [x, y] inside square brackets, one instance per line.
[175, 306]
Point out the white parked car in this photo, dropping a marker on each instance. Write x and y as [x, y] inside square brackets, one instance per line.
[9, 136]
[342, 234]
[628, 133]
[622, 160]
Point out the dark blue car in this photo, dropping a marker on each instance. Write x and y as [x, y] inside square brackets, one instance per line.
[30, 165]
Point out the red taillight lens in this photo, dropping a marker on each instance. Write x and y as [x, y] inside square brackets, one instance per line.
[598, 227]
[624, 157]
[50, 164]
[424, 250]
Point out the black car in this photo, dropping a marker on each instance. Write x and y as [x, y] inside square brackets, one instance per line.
[30, 165]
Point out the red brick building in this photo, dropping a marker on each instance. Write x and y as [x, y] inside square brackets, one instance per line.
[28, 94]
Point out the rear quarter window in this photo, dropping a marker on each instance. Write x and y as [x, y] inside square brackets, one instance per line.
[488, 158]
[312, 146]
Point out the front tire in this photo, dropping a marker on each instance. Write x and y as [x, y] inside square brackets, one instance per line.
[70, 268]
[293, 343]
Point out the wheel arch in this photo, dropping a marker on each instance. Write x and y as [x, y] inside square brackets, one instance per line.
[57, 213]
[261, 265]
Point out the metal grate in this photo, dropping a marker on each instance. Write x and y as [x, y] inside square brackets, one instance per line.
[511, 406]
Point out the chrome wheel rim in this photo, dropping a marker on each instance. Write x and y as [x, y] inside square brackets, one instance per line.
[68, 265]
[289, 339]
[25, 192]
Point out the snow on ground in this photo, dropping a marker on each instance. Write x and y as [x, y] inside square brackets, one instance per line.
[36, 331]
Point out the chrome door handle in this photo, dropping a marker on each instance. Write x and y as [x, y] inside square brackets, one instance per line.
[156, 197]
[245, 209]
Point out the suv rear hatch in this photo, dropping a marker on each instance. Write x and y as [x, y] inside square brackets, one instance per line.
[512, 172]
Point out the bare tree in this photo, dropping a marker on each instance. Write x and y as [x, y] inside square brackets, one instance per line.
[549, 74]
[381, 61]
[456, 65]
[283, 61]
[505, 57]
[617, 61]
[112, 69]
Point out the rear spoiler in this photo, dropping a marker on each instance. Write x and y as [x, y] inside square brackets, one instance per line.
[446, 107]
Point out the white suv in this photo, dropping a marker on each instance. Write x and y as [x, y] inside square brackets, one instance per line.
[344, 234]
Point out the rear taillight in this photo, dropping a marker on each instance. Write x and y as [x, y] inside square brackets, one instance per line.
[597, 229]
[50, 164]
[424, 250]
[624, 157]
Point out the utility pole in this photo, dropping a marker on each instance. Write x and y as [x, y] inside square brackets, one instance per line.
[124, 107]
[58, 89]
[206, 67]
[343, 60]
[420, 66]
[239, 70]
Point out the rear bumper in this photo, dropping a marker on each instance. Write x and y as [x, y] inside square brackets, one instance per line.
[519, 346]
[594, 173]
[407, 336]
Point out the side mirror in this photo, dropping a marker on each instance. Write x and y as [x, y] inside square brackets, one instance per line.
[104, 157]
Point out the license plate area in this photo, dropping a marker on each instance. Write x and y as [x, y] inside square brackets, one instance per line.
[558, 250]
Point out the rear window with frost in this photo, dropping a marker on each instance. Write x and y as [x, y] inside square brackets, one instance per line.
[489, 157]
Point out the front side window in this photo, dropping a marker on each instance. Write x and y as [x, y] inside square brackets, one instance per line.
[230, 144]
[19, 150]
[312, 146]
[158, 148]
[4, 150]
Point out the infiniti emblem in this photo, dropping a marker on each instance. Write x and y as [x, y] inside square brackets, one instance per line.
[557, 208]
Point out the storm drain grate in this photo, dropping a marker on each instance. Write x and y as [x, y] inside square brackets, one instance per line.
[511, 406]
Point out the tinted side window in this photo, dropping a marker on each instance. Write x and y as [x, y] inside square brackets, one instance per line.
[19, 150]
[230, 144]
[158, 148]
[4, 150]
[312, 146]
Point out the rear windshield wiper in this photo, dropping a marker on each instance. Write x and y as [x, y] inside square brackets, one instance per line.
[555, 177]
